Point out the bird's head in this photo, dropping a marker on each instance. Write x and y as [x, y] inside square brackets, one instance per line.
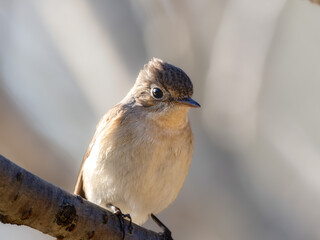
[164, 90]
[161, 85]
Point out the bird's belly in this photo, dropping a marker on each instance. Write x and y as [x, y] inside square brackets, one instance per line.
[153, 183]
[141, 178]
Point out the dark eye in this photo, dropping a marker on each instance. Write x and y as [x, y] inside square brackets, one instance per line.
[157, 93]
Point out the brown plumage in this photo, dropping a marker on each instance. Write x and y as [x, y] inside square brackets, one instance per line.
[142, 148]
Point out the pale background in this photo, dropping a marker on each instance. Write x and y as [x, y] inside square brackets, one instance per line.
[255, 66]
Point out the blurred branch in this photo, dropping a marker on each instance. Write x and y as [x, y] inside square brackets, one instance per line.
[26, 199]
[315, 1]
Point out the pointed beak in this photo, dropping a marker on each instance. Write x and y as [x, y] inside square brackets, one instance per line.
[189, 102]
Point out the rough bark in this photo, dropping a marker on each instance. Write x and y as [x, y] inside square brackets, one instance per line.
[26, 199]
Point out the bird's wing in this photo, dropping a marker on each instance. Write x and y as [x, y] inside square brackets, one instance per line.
[105, 120]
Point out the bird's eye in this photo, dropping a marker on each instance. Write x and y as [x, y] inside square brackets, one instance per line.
[157, 93]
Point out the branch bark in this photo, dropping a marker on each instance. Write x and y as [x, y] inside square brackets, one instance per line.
[26, 199]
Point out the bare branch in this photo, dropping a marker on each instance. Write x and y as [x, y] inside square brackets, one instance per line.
[26, 199]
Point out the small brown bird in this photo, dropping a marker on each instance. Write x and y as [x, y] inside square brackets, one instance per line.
[141, 152]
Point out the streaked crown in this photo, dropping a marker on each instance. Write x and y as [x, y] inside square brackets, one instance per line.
[171, 78]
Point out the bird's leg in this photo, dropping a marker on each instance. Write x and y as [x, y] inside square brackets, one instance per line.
[166, 231]
[121, 216]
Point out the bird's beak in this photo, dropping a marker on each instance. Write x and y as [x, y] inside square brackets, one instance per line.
[189, 102]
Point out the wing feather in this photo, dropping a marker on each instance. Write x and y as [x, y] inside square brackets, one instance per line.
[105, 120]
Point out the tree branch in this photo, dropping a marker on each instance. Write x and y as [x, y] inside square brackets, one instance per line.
[26, 199]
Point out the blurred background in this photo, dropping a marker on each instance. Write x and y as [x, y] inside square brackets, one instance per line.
[255, 68]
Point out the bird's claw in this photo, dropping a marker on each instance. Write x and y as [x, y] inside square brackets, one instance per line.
[121, 216]
[166, 232]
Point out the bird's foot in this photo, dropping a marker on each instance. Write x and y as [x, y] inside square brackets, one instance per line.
[166, 232]
[121, 216]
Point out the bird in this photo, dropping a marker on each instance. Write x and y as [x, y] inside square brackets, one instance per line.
[142, 148]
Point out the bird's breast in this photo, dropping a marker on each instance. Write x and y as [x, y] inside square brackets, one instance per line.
[140, 167]
[156, 162]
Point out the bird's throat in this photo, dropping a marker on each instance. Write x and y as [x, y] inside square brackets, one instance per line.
[176, 118]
